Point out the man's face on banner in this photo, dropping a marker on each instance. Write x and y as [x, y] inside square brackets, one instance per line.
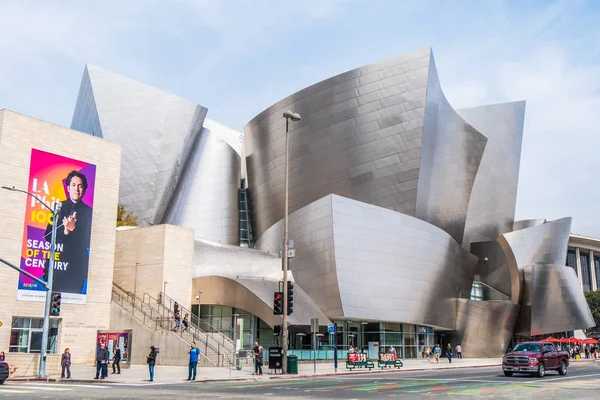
[76, 189]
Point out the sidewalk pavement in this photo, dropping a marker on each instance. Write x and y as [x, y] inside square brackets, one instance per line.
[138, 374]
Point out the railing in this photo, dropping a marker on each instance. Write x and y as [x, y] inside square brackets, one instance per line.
[169, 304]
[220, 346]
[151, 315]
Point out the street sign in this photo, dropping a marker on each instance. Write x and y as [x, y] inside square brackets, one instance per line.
[275, 357]
[331, 329]
[314, 325]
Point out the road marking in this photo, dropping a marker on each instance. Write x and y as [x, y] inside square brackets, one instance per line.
[562, 378]
[2, 390]
[64, 385]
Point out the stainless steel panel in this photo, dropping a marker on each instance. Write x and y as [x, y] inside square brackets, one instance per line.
[173, 170]
[527, 223]
[359, 137]
[494, 270]
[552, 301]
[450, 156]
[484, 328]
[360, 261]
[493, 198]
[540, 244]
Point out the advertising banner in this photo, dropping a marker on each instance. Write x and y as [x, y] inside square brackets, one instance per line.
[53, 179]
[114, 340]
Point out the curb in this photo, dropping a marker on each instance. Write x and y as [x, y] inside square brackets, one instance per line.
[367, 372]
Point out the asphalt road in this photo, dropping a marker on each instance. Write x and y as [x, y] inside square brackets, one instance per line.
[582, 382]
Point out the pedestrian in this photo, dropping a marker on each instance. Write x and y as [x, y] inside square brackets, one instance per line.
[177, 319]
[65, 363]
[151, 360]
[258, 358]
[2, 356]
[351, 350]
[458, 351]
[449, 353]
[194, 353]
[392, 350]
[102, 363]
[185, 322]
[437, 351]
[428, 354]
[116, 360]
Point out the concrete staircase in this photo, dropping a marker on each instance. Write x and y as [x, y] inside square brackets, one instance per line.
[157, 317]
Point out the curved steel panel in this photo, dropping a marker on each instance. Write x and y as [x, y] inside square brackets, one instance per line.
[359, 137]
[552, 301]
[541, 244]
[411, 270]
[484, 328]
[207, 195]
[491, 209]
[256, 297]
[450, 157]
[527, 223]
[495, 270]
[173, 169]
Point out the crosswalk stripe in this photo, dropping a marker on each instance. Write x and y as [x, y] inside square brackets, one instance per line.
[29, 387]
[16, 391]
[64, 385]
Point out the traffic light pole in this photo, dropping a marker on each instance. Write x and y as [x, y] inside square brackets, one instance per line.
[285, 252]
[46, 285]
[46, 326]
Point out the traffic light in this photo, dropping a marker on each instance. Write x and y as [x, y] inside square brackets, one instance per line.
[290, 298]
[278, 303]
[55, 304]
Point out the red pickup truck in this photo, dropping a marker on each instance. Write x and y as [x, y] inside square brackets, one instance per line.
[535, 358]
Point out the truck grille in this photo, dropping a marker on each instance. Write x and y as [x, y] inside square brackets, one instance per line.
[517, 360]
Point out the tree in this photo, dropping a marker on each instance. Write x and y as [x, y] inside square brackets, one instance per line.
[593, 300]
[125, 217]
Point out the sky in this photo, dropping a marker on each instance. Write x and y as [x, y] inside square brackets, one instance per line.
[238, 57]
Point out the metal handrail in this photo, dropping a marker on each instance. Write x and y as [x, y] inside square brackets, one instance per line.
[183, 310]
[157, 321]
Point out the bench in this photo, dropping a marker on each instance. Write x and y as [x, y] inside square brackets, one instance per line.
[359, 360]
[387, 360]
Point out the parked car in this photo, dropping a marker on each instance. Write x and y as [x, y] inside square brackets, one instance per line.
[4, 371]
[535, 358]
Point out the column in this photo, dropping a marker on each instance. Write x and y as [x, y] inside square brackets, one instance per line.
[577, 255]
[593, 264]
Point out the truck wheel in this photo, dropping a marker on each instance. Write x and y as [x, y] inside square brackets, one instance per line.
[507, 373]
[541, 371]
[563, 368]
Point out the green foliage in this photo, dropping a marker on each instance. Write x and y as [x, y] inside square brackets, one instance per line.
[125, 217]
[593, 299]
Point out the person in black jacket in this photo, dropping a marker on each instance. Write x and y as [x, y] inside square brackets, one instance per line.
[116, 360]
[65, 363]
[151, 360]
[73, 234]
[102, 362]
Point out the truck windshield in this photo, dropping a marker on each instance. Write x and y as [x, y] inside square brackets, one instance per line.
[528, 347]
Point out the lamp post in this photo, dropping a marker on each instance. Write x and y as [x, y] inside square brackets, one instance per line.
[288, 115]
[46, 285]
[198, 297]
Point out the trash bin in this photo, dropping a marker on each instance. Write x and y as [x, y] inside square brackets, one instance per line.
[292, 364]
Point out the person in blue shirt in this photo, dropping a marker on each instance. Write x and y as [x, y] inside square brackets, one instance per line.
[194, 353]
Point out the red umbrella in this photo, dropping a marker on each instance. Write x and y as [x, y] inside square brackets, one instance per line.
[551, 340]
[589, 341]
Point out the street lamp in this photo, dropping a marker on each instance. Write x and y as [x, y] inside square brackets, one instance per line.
[288, 115]
[46, 285]
[198, 297]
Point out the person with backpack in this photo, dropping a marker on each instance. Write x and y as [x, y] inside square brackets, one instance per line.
[194, 353]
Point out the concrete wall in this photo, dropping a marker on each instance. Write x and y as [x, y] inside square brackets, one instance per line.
[146, 258]
[173, 349]
[79, 323]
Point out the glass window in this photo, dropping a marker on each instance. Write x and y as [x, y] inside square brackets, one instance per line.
[477, 291]
[26, 335]
[572, 260]
[585, 271]
[597, 267]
